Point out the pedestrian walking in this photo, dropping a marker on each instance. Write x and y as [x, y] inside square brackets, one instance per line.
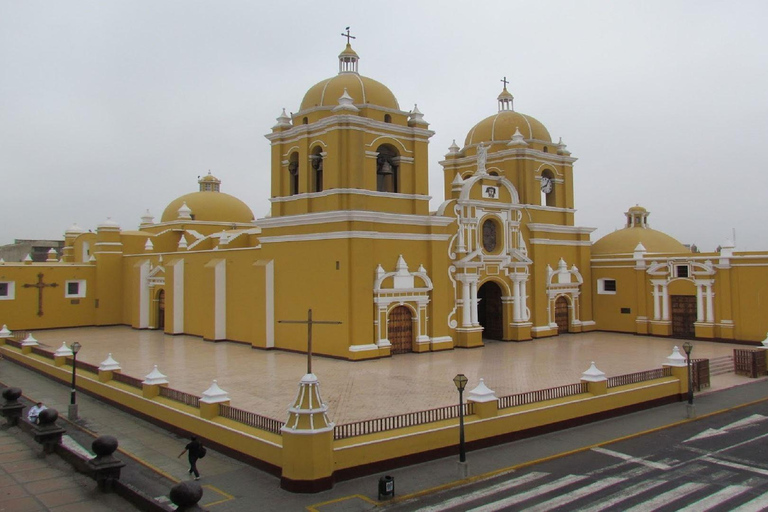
[195, 451]
[35, 411]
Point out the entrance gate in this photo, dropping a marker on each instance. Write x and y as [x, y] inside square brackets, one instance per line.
[489, 311]
[683, 316]
[561, 315]
[400, 330]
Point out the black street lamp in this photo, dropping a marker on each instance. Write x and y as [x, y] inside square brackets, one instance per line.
[688, 347]
[461, 382]
[73, 396]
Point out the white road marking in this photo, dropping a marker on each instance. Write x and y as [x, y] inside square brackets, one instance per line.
[623, 495]
[636, 460]
[666, 498]
[749, 421]
[570, 497]
[736, 465]
[482, 493]
[756, 505]
[519, 498]
[716, 499]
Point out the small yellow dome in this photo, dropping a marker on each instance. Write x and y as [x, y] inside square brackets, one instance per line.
[362, 89]
[209, 207]
[501, 127]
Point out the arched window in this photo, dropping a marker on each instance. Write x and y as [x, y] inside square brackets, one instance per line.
[548, 193]
[305, 121]
[493, 173]
[293, 174]
[546, 149]
[489, 235]
[387, 169]
[387, 118]
[317, 170]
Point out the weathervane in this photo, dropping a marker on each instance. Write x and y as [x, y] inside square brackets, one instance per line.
[347, 35]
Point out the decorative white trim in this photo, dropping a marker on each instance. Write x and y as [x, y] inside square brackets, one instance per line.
[11, 290]
[144, 294]
[214, 394]
[349, 191]
[155, 378]
[601, 286]
[342, 235]
[441, 339]
[363, 348]
[178, 296]
[308, 219]
[548, 241]
[109, 364]
[81, 289]
[588, 323]
[220, 300]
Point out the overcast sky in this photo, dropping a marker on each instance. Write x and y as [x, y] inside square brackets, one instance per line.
[109, 108]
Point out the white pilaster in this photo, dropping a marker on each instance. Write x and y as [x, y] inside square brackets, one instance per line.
[220, 300]
[516, 316]
[664, 302]
[473, 302]
[178, 297]
[144, 295]
[656, 306]
[710, 303]
[699, 303]
[466, 305]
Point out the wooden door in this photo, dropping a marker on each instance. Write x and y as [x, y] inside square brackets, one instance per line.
[683, 316]
[561, 315]
[489, 311]
[400, 330]
[161, 309]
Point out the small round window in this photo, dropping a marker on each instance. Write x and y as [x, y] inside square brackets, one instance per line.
[489, 235]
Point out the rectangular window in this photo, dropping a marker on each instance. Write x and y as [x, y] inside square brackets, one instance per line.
[74, 289]
[626, 311]
[606, 286]
[681, 270]
[7, 290]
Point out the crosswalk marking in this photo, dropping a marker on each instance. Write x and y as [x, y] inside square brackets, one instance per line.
[756, 505]
[716, 499]
[504, 486]
[666, 498]
[624, 494]
[736, 465]
[518, 498]
[629, 458]
[570, 497]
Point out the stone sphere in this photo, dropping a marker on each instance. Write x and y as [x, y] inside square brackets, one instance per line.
[104, 446]
[48, 417]
[12, 394]
[186, 494]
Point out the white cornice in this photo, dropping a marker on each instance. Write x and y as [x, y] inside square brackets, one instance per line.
[351, 191]
[549, 209]
[347, 122]
[343, 235]
[555, 228]
[355, 216]
[547, 241]
[511, 154]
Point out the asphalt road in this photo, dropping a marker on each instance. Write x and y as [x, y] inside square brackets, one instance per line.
[719, 463]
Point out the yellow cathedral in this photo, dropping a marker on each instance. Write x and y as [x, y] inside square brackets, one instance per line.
[351, 237]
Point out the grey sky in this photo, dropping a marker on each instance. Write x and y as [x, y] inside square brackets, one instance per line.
[110, 108]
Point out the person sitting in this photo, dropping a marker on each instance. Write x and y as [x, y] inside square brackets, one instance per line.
[35, 411]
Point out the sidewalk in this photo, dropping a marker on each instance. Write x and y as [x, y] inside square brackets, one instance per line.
[230, 485]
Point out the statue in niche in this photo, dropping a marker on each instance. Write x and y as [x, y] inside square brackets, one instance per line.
[482, 157]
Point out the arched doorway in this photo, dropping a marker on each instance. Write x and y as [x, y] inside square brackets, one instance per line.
[400, 330]
[561, 315]
[161, 309]
[489, 311]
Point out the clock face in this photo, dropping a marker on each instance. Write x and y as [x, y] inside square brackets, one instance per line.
[546, 184]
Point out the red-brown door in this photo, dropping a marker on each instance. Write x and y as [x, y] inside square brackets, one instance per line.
[561, 315]
[161, 309]
[400, 330]
[489, 311]
[683, 315]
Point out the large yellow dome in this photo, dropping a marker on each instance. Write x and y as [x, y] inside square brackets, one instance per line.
[624, 241]
[210, 207]
[362, 89]
[501, 127]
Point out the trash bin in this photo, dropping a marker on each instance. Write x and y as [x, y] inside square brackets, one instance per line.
[387, 487]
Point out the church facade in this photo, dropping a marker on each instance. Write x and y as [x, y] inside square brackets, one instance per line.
[351, 238]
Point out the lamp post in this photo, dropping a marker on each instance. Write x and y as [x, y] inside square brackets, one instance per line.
[461, 382]
[688, 347]
[73, 396]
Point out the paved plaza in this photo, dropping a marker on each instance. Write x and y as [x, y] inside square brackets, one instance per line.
[266, 382]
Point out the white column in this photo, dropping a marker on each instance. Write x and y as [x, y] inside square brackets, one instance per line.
[664, 302]
[517, 299]
[220, 300]
[473, 302]
[178, 297]
[144, 295]
[699, 303]
[710, 304]
[523, 297]
[656, 308]
[466, 305]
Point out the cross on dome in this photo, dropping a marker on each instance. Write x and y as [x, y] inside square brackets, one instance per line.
[348, 58]
[505, 98]
[347, 35]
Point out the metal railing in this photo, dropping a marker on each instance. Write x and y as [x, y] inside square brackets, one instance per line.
[361, 428]
[634, 378]
[531, 397]
[40, 351]
[250, 418]
[180, 396]
[127, 379]
[749, 362]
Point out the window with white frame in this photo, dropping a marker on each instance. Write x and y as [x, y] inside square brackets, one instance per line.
[606, 286]
[74, 289]
[682, 270]
[7, 290]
